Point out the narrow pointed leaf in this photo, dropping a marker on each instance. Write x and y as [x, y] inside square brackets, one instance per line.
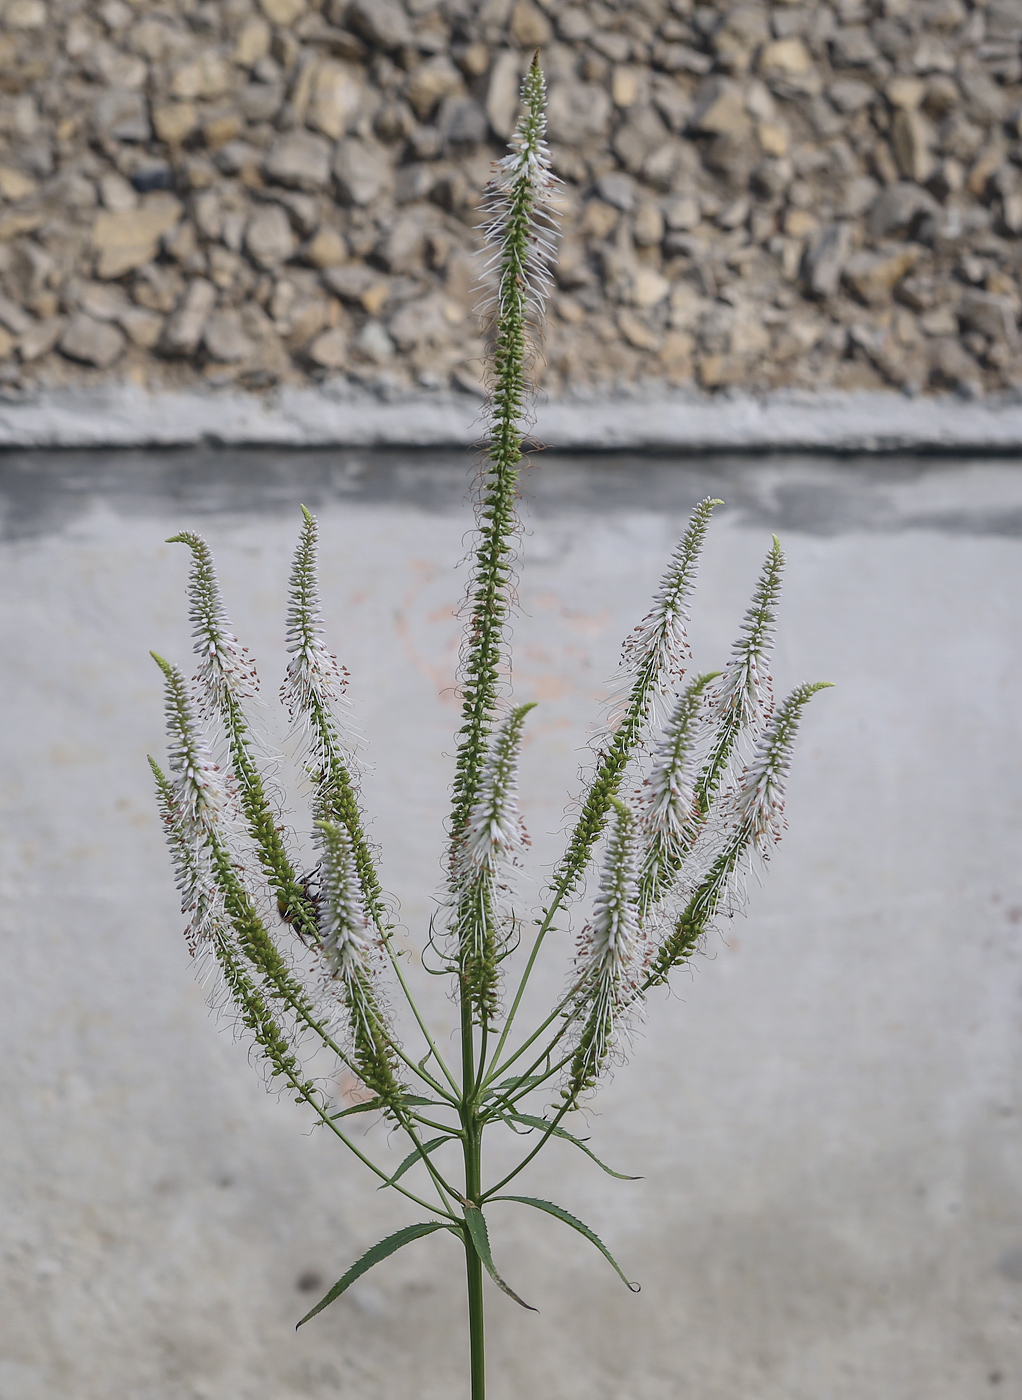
[544, 1126]
[413, 1157]
[591, 1236]
[373, 1256]
[480, 1238]
[508, 1086]
[371, 1105]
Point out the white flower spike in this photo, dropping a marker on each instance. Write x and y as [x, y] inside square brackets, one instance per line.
[346, 942]
[760, 803]
[226, 671]
[314, 677]
[610, 960]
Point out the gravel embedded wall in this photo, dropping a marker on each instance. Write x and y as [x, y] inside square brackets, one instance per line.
[754, 195]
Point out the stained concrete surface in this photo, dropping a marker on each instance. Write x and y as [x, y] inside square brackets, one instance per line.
[625, 417]
[825, 1112]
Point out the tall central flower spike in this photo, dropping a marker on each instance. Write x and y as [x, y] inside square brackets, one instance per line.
[685, 795]
[521, 234]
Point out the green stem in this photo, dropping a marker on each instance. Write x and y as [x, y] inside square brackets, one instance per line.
[416, 1067]
[478, 1082]
[476, 1323]
[501, 1068]
[438, 1127]
[547, 1134]
[544, 928]
[548, 1073]
[474, 1269]
[238, 983]
[472, 1126]
[393, 956]
[324, 1118]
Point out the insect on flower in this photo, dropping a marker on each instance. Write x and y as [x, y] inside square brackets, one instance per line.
[290, 911]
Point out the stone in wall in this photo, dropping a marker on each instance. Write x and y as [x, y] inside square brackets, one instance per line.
[754, 196]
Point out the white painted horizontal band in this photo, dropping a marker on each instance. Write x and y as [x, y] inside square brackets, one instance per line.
[123, 415]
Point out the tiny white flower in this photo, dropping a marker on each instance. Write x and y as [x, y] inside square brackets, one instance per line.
[346, 942]
[744, 694]
[613, 938]
[314, 677]
[520, 227]
[198, 789]
[609, 959]
[226, 671]
[494, 834]
[760, 801]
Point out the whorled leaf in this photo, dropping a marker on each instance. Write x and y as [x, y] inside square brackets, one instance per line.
[379, 1252]
[559, 1213]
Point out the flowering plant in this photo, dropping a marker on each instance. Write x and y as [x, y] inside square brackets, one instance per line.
[685, 795]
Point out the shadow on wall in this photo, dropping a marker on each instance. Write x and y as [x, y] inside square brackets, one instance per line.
[44, 492]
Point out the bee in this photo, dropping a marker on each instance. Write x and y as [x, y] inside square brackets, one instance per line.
[311, 887]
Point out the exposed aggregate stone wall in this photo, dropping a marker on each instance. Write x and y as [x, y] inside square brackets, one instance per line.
[268, 191]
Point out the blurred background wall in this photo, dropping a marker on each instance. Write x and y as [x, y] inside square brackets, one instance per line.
[824, 1111]
[276, 196]
[278, 192]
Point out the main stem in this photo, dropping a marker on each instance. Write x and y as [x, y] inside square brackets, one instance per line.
[476, 1333]
[474, 1271]
[473, 1190]
[520, 248]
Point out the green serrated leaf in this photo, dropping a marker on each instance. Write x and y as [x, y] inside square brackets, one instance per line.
[591, 1236]
[532, 1122]
[413, 1157]
[507, 1085]
[373, 1256]
[480, 1238]
[371, 1105]
[366, 1107]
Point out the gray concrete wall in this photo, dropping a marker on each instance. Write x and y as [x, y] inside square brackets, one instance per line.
[825, 1112]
